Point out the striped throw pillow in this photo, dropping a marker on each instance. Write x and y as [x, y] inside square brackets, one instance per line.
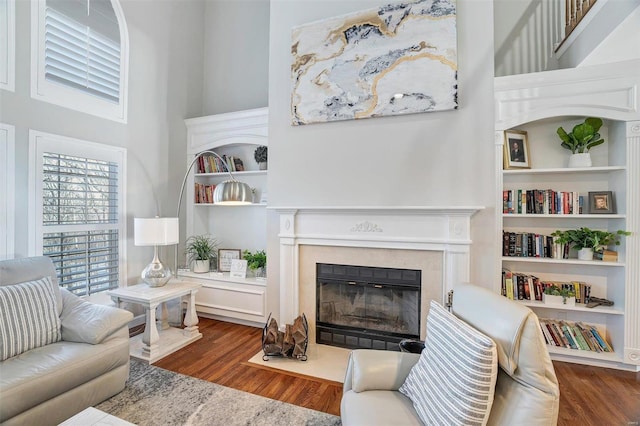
[28, 317]
[453, 382]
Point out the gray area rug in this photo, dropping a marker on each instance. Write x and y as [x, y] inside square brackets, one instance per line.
[154, 396]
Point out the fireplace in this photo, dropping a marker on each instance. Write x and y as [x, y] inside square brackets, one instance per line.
[366, 307]
[433, 240]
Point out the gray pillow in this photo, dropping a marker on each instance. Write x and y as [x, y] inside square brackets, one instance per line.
[28, 317]
[454, 380]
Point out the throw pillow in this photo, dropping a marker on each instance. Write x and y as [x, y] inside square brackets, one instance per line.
[28, 317]
[453, 382]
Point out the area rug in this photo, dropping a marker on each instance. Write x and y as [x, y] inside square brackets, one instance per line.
[154, 396]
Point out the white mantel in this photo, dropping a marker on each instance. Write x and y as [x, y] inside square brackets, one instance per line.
[441, 229]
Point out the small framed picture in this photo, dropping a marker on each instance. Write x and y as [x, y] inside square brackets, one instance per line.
[601, 202]
[238, 268]
[225, 256]
[516, 150]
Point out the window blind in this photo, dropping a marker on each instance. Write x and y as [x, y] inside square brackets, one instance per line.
[82, 47]
[80, 218]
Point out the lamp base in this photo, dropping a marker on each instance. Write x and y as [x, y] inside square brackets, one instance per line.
[156, 274]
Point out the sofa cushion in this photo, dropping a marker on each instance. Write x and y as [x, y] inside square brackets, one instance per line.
[377, 408]
[28, 317]
[454, 380]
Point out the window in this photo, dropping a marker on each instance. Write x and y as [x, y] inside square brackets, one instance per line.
[7, 44]
[78, 210]
[80, 51]
[7, 179]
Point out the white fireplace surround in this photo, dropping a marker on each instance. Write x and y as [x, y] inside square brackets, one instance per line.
[441, 229]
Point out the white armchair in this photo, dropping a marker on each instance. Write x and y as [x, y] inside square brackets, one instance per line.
[526, 392]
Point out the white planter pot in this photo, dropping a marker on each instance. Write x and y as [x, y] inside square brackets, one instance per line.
[262, 165]
[548, 299]
[201, 266]
[580, 160]
[585, 254]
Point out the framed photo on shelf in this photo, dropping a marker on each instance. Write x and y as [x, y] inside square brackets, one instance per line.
[516, 150]
[601, 202]
[225, 256]
[238, 268]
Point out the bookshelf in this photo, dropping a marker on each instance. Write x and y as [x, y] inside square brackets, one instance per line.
[562, 98]
[237, 135]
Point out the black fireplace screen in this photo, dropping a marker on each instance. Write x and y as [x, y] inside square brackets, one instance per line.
[366, 307]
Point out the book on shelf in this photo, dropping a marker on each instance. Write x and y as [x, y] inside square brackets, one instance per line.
[573, 335]
[203, 193]
[541, 201]
[520, 286]
[208, 163]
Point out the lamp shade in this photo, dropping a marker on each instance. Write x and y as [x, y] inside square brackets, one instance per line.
[232, 193]
[156, 231]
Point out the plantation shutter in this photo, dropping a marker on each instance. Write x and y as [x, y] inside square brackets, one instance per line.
[82, 46]
[80, 220]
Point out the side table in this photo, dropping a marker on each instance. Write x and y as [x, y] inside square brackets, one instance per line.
[155, 344]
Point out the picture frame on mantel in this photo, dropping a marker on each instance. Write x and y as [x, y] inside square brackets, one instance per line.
[516, 150]
[225, 257]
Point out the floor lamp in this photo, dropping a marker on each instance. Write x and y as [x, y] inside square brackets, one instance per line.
[229, 193]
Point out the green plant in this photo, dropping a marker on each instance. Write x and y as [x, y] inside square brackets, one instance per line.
[583, 137]
[260, 154]
[255, 260]
[589, 238]
[554, 290]
[201, 247]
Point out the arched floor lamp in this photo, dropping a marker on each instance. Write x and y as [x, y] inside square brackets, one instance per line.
[228, 193]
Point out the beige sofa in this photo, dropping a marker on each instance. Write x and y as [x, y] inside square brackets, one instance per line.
[48, 384]
[526, 390]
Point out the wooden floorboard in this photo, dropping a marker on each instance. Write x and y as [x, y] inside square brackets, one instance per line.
[588, 395]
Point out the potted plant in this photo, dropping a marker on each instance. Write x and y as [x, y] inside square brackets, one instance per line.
[200, 250]
[586, 240]
[580, 140]
[257, 262]
[260, 155]
[554, 295]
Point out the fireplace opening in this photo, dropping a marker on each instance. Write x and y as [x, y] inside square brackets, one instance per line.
[366, 307]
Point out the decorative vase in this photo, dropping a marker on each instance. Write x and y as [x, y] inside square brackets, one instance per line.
[201, 266]
[260, 274]
[580, 160]
[585, 253]
[262, 165]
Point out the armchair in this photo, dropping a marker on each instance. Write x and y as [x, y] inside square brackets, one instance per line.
[526, 390]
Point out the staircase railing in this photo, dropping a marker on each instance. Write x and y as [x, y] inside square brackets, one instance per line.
[575, 10]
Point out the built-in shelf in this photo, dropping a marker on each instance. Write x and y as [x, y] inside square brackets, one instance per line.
[229, 206]
[243, 173]
[609, 310]
[561, 261]
[605, 356]
[224, 277]
[565, 170]
[563, 216]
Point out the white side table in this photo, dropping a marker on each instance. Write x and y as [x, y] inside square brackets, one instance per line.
[155, 344]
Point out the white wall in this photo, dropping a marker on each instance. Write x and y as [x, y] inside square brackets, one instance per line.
[165, 86]
[437, 158]
[621, 45]
[236, 55]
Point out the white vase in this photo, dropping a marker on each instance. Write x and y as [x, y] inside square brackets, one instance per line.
[548, 299]
[201, 266]
[580, 160]
[262, 165]
[585, 254]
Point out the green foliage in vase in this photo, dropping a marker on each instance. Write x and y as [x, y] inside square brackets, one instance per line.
[201, 247]
[589, 238]
[255, 260]
[583, 137]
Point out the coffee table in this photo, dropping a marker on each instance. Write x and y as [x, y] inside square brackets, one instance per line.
[92, 416]
[155, 344]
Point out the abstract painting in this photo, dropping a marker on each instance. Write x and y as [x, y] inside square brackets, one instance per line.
[396, 59]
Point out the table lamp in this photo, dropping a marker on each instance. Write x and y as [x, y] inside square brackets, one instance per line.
[156, 231]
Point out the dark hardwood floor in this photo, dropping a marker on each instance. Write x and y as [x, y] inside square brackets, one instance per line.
[588, 395]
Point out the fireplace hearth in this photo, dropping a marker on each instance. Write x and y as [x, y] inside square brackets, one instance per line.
[366, 307]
